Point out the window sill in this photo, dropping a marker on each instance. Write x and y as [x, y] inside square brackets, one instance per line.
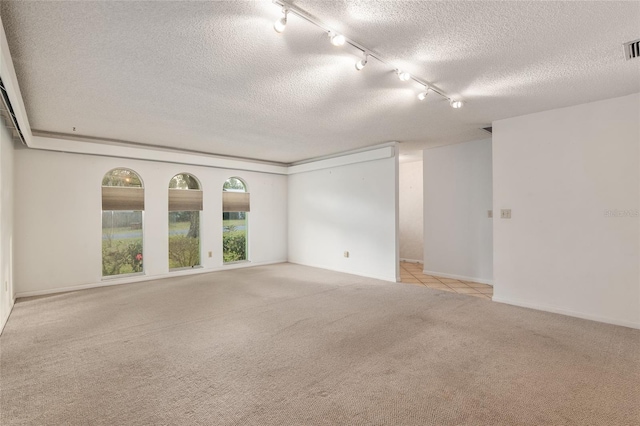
[186, 268]
[236, 262]
[115, 277]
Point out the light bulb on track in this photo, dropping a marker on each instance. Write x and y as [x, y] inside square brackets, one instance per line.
[456, 104]
[403, 76]
[337, 39]
[281, 23]
[423, 95]
[361, 63]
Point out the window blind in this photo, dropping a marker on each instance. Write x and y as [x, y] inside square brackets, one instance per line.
[235, 202]
[185, 200]
[122, 198]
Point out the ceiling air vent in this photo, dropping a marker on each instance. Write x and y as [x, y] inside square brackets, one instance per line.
[632, 49]
[6, 112]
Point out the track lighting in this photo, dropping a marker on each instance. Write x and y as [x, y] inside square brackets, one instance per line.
[403, 76]
[337, 39]
[281, 23]
[361, 63]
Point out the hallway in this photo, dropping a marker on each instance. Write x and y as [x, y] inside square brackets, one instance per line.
[411, 273]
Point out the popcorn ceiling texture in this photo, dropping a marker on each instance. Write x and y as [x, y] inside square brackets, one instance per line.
[215, 77]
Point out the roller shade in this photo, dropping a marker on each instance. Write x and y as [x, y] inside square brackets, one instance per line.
[122, 198]
[185, 200]
[235, 202]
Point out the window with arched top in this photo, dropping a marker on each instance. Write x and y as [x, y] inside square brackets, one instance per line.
[122, 230]
[185, 205]
[235, 221]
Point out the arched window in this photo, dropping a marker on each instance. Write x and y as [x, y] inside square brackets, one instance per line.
[235, 224]
[122, 208]
[185, 205]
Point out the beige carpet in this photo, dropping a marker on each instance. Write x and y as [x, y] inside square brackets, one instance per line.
[291, 345]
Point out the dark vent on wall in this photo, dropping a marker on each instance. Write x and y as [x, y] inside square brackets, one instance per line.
[488, 129]
[632, 49]
[6, 111]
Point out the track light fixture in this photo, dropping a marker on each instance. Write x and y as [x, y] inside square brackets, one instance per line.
[281, 23]
[361, 63]
[403, 75]
[337, 39]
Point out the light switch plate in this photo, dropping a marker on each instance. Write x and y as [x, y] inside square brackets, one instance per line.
[489, 213]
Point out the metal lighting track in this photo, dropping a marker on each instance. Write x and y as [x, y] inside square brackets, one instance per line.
[291, 8]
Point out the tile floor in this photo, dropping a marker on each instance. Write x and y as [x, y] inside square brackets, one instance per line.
[411, 273]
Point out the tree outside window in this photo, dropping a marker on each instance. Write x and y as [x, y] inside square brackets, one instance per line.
[185, 205]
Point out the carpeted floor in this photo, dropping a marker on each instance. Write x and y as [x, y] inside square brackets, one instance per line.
[292, 345]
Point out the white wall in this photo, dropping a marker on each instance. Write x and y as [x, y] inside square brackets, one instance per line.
[411, 218]
[58, 217]
[346, 208]
[458, 240]
[6, 223]
[560, 171]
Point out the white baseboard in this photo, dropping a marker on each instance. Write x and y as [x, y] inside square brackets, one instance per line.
[459, 277]
[568, 312]
[6, 319]
[360, 274]
[142, 278]
[410, 260]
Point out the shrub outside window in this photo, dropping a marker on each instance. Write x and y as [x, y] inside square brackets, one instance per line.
[122, 227]
[235, 212]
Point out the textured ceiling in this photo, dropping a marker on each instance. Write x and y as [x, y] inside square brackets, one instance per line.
[215, 77]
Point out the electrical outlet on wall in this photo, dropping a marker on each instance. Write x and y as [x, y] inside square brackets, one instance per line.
[346, 254]
[210, 254]
[489, 213]
[505, 214]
